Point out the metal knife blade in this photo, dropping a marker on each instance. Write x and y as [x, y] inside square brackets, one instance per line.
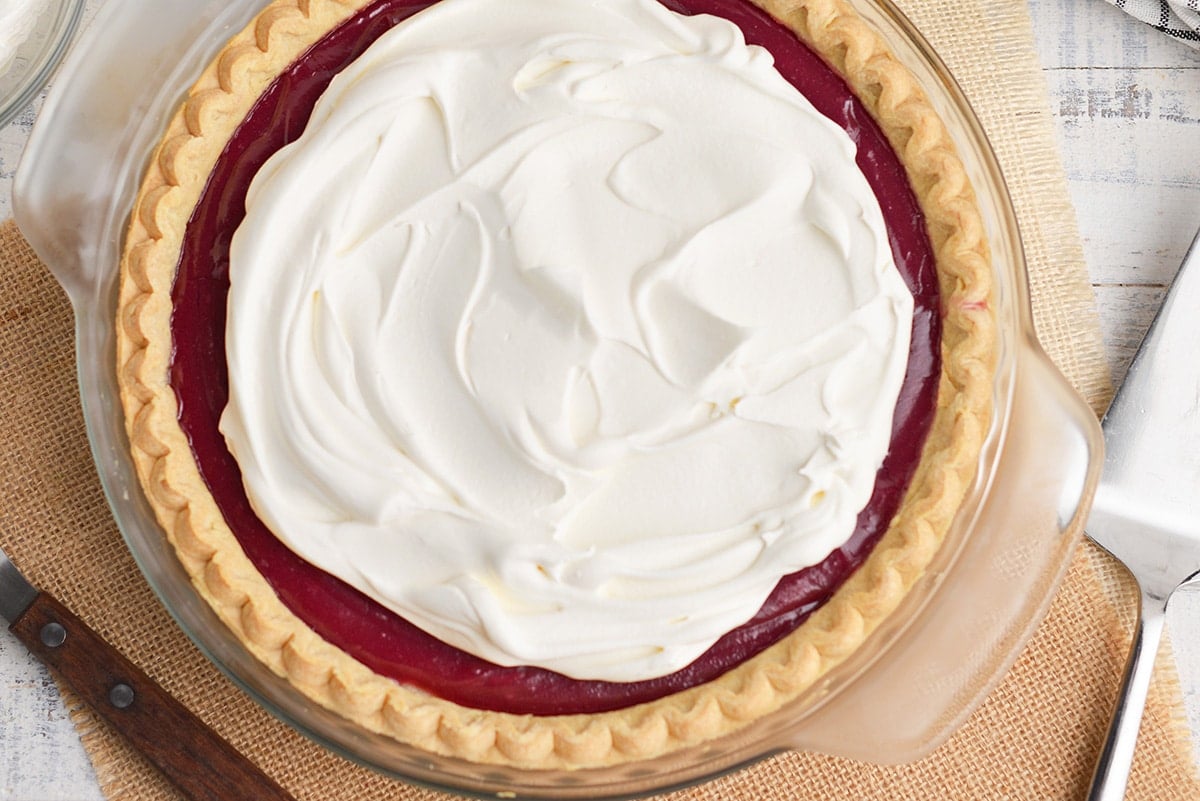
[179, 744]
[1147, 507]
[16, 594]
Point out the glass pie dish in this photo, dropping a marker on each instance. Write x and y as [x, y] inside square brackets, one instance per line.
[895, 699]
[35, 59]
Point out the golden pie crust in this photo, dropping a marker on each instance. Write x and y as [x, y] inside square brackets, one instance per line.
[223, 575]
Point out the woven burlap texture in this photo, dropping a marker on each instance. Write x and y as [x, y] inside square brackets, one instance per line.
[1034, 738]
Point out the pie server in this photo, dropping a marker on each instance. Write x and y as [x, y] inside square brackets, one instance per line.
[191, 755]
[1147, 507]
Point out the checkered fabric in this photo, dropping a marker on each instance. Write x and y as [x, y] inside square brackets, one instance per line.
[1179, 18]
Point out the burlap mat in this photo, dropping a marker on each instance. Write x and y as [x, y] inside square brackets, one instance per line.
[1035, 738]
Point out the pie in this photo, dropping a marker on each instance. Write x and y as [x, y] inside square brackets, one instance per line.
[558, 409]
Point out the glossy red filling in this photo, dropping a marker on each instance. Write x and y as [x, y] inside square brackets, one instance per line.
[379, 638]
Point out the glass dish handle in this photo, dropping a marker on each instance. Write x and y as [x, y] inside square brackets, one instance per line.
[989, 601]
[101, 114]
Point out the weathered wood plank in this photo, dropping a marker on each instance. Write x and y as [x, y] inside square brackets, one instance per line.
[1131, 145]
[40, 754]
[1126, 312]
[1092, 34]
[12, 142]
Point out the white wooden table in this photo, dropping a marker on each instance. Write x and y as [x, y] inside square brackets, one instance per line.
[1127, 103]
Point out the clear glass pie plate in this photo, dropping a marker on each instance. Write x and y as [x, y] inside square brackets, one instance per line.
[896, 699]
[34, 60]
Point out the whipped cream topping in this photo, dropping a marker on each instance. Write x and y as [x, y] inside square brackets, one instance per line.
[565, 330]
[17, 18]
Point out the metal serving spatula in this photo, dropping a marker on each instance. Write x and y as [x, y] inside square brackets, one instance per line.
[191, 755]
[1147, 508]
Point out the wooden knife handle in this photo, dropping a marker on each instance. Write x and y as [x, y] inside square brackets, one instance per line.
[201, 764]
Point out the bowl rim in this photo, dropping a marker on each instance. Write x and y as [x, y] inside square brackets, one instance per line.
[46, 60]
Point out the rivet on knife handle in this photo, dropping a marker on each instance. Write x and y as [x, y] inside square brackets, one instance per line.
[192, 756]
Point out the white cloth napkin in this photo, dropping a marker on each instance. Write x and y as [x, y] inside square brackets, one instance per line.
[1179, 18]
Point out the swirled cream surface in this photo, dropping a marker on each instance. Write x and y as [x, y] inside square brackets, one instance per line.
[565, 330]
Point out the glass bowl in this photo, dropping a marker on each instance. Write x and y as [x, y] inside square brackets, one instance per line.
[35, 59]
[898, 697]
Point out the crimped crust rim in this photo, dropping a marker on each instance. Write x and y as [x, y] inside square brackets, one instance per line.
[243, 600]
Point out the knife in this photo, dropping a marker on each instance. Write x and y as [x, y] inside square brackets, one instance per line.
[191, 755]
[1147, 507]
